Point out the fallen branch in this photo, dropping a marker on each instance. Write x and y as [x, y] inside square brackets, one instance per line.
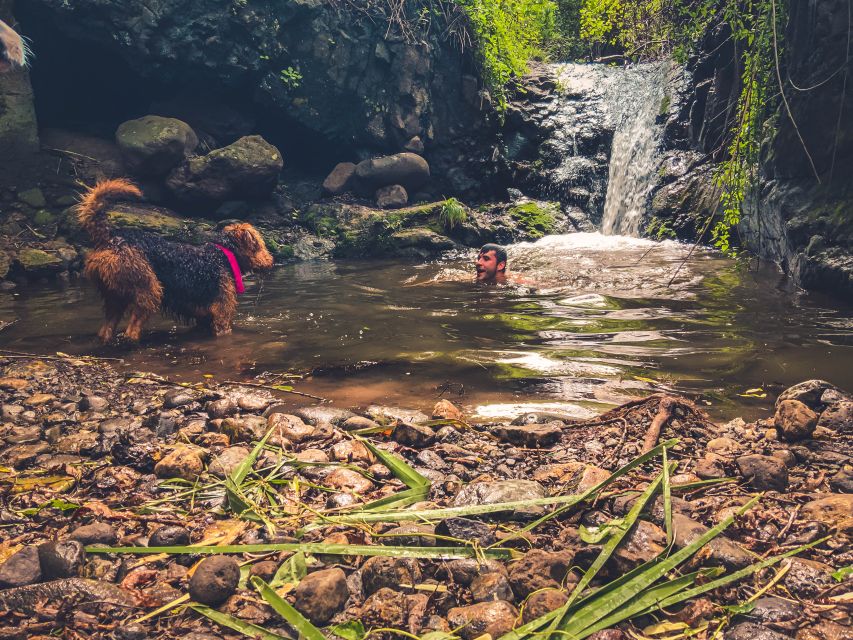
[665, 408]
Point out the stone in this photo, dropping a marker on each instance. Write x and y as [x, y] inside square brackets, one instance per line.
[385, 415]
[13, 384]
[710, 466]
[39, 399]
[265, 569]
[786, 456]
[95, 533]
[153, 145]
[94, 403]
[842, 482]
[720, 549]
[406, 169]
[724, 446]
[393, 196]
[37, 263]
[418, 241]
[169, 536]
[321, 594]
[825, 630]
[807, 578]
[794, 420]
[61, 559]
[352, 451]
[229, 459]
[222, 408]
[838, 417]
[291, 427]
[245, 169]
[413, 435]
[358, 422]
[21, 568]
[540, 569]
[33, 198]
[464, 570]
[214, 580]
[835, 510]
[322, 414]
[379, 572]
[466, 529]
[491, 586]
[414, 145]
[750, 631]
[771, 609]
[253, 403]
[181, 462]
[644, 542]
[533, 436]
[386, 608]
[542, 602]
[446, 410]
[764, 473]
[21, 456]
[808, 392]
[339, 179]
[492, 618]
[177, 398]
[502, 491]
[348, 480]
[410, 535]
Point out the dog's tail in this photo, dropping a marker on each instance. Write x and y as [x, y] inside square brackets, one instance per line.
[92, 210]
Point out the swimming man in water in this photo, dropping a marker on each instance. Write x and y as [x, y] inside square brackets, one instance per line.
[491, 264]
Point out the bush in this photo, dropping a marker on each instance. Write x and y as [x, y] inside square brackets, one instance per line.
[452, 213]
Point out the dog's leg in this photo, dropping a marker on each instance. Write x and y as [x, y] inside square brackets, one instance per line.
[138, 317]
[224, 308]
[113, 311]
[147, 295]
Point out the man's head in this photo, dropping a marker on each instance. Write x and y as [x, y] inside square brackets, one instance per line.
[491, 263]
[13, 50]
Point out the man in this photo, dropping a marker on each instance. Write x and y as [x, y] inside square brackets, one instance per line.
[491, 264]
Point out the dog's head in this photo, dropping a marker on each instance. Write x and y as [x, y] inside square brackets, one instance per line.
[13, 49]
[248, 246]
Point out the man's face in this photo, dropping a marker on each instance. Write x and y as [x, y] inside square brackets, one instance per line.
[488, 266]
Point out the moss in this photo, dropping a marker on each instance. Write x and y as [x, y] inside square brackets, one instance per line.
[43, 217]
[665, 104]
[536, 219]
[318, 220]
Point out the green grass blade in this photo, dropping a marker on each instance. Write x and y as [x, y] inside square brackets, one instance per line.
[225, 620]
[667, 501]
[238, 503]
[283, 608]
[441, 553]
[291, 571]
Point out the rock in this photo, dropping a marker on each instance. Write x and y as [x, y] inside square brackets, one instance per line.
[786, 456]
[750, 631]
[265, 569]
[385, 415]
[177, 398]
[771, 609]
[37, 263]
[152, 145]
[414, 145]
[21, 456]
[181, 462]
[794, 420]
[725, 447]
[531, 435]
[352, 451]
[169, 536]
[61, 559]
[321, 414]
[720, 549]
[222, 408]
[348, 480]
[253, 403]
[825, 630]
[410, 535]
[385, 608]
[807, 578]
[13, 384]
[446, 410]
[291, 427]
[463, 571]
[391, 197]
[229, 459]
[502, 491]
[542, 602]
[643, 543]
[834, 510]
[21, 568]
[95, 533]
[491, 586]
[320, 595]
[842, 482]
[214, 580]
[418, 242]
[248, 168]
[340, 179]
[764, 473]
[539, 570]
[33, 198]
[493, 618]
[808, 392]
[466, 529]
[413, 435]
[358, 422]
[407, 169]
[838, 417]
[711, 466]
[379, 572]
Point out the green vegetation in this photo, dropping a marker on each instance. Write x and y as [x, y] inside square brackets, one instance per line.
[537, 219]
[290, 77]
[452, 213]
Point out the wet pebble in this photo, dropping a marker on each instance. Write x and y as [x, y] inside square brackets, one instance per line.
[222, 408]
[720, 549]
[764, 473]
[833, 510]
[321, 594]
[21, 568]
[214, 580]
[492, 618]
[539, 569]
[807, 578]
[491, 586]
[794, 420]
[175, 398]
[352, 451]
[169, 536]
[379, 572]
[416, 436]
[466, 529]
[751, 631]
[542, 602]
[229, 459]
[772, 609]
[410, 535]
[182, 462]
[385, 608]
[531, 435]
[61, 559]
[291, 427]
[94, 404]
[502, 491]
[265, 569]
[842, 482]
[446, 410]
[95, 533]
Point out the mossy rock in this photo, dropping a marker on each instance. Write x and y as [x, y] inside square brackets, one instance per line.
[145, 218]
[534, 218]
[37, 262]
[33, 197]
[43, 218]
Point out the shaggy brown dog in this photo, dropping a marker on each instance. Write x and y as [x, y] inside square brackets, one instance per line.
[13, 49]
[142, 273]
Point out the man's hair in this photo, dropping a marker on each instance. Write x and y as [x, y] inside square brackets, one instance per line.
[500, 252]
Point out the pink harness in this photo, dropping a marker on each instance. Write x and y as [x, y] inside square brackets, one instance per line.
[235, 268]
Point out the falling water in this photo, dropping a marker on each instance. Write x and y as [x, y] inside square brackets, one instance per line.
[634, 157]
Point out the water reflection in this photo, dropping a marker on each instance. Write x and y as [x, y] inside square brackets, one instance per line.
[600, 324]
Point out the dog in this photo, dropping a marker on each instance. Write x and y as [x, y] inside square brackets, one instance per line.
[13, 50]
[142, 273]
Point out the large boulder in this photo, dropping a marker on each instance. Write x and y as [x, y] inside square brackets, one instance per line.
[248, 168]
[406, 169]
[152, 145]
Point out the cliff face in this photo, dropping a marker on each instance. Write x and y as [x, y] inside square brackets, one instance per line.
[330, 75]
[18, 130]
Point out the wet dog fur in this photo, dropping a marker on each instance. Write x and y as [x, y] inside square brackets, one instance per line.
[13, 50]
[141, 273]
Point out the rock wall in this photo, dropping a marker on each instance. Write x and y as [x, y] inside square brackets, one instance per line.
[18, 129]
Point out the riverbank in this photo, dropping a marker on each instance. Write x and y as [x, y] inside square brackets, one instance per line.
[92, 457]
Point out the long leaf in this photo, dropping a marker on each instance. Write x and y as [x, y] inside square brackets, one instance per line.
[238, 503]
[247, 629]
[667, 502]
[441, 553]
[418, 485]
[283, 608]
[290, 572]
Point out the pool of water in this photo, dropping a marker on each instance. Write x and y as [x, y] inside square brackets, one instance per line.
[591, 321]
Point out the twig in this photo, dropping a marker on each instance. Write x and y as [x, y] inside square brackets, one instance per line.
[275, 388]
[8, 353]
[72, 153]
[667, 404]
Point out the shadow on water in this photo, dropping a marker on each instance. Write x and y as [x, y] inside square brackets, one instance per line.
[597, 325]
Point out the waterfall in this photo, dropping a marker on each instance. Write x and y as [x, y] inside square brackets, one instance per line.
[635, 101]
